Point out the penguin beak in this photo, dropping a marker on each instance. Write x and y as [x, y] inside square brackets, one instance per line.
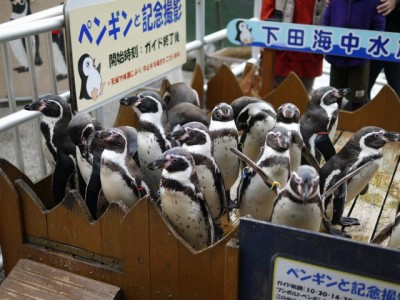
[392, 136]
[306, 193]
[177, 134]
[129, 101]
[35, 106]
[157, 164]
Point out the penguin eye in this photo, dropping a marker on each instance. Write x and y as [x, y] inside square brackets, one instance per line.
[87, 64]
[376, 135]
[191, 132]
[174, 160]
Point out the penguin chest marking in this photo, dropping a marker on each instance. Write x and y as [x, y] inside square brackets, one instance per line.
[255, 138]
[305, 216]
[84, 166]
[226, 160]
[186, 217]
[358, 182]
[93, 81]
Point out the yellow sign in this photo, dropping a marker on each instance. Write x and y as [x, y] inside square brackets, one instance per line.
[116, 45]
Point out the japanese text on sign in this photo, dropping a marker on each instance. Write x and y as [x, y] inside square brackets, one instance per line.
[297, 280]
[318, 39]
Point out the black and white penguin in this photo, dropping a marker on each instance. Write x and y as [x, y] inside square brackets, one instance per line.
[58, 147]
[81, 130]
[182, 200]
[319, 121]
[121, 178]
[254, 197]
[21, 9]
[179, 92]
[195, 138]
[256, 119]
[224, 135]
[299, 203]
[363, 147]
[186, 112]
[153, 127]
[91, 82]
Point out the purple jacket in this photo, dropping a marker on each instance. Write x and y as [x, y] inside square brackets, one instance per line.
[357, 14]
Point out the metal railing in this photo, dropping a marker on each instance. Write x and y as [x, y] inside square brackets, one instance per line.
[50, 19]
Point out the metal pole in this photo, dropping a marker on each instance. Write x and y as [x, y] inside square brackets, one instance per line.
[200, 33]
[255, 51]
[53, 81]
[31, 65]
[13, 106]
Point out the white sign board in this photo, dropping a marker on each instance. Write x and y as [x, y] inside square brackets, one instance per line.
[116, 45]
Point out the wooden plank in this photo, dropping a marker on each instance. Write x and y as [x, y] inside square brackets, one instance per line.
[194, 273]
[11, 228]
[33, 211]
[223, 87]
[30, 278]
[164, 257]
[126, 117]
[70, 223]
[197, 83]
[382, 111]
[367, 207]
[232, 270]
[42, 189]
[267, 71]
[110, 230]
[136, 251]
[290, 90]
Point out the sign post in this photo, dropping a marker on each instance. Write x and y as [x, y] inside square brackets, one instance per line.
[116, 45]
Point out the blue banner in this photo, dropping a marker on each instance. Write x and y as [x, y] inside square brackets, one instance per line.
[317, 39]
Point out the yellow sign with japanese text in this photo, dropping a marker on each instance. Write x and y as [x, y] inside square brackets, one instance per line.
[115, 45]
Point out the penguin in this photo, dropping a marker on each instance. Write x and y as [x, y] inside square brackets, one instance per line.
[60, 65]
[21, 9]
[256, 119]
[243, 33]
[121, 178]
[254, 197]
[224, 135]
[58, 147]
[153, 127]
[288, 116]
[182, 201]
[185, 112]
[195, 138]
[299, 203]
[319, 121]
[81, 130]
[392, 231]
[91, 83]
[363, 147]
[177, 93]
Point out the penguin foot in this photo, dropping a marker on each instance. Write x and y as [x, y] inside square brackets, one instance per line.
[60, 77]
[38, 60]
[347, 221]
[340, 233]
[21, 69]
[219, 232]
[365, 190]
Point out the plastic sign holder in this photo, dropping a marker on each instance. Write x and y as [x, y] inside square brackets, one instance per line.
[281, 262]
[114, 46]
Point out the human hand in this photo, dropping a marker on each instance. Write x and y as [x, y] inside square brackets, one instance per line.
[386, 6]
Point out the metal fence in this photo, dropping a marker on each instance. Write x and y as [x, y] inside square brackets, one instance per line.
[43, 23]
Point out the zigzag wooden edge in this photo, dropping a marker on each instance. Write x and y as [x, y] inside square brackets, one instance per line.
[382, 111]
[223, 87]
[290, 90]
[12, 172]
[126, 117]
[197, 82]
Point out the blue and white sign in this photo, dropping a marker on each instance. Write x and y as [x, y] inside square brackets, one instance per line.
[317, 39]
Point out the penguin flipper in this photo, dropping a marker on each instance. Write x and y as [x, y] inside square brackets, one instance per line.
[383, 234]
[92, 192]
[324, 145]
[348, 221]
[307, 155]
[267, 180]
[63, 170]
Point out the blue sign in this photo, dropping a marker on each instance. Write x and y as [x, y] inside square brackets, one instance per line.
[317, 39]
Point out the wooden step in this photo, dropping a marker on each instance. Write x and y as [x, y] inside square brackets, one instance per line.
[33, 280]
